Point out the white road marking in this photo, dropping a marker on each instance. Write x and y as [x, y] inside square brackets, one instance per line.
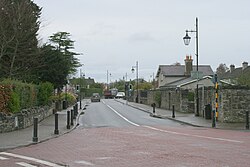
[3, 158]
[199, 136]
[25, 164]
[121, 115]
[30, 159]
[173, 132]
[84, 162]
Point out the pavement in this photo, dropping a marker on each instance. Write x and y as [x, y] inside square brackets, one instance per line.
[46, 128]
[184, 118]
[24, 137]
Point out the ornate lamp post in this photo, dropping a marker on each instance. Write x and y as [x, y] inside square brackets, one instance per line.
[186, 40]
[137, 80]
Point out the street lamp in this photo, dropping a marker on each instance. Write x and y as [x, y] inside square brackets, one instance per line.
[186, 40]
[137, 80]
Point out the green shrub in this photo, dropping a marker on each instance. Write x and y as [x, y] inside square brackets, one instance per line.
[157, 98]
[27, 92]
[25, 95]
[88, 92]
[63, 96]
[45, 91]
[190, 96]
[14, 102]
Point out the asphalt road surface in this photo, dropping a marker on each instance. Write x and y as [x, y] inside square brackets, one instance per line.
[110, 113]
[115, 135]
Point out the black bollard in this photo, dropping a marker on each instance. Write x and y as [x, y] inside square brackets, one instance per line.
[56, 131]
[68, 120]
[247, 120]
[80, 102]
[153, 105]
[72, 117]
[75, 111]
[35, 130]
[173, 113]
[214, 119]
[77, 108]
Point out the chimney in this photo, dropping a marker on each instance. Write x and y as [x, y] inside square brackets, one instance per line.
[244, 65]
[188, 65]
[232, 68]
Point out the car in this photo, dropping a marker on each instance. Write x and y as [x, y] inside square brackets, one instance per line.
[95, 97]
[120, 95]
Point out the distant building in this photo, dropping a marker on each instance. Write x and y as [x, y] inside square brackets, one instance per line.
[89, 81]
[173, 76]
[233, 73]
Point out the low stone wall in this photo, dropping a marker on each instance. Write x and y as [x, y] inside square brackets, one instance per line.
[23, 119]
[233, 105]
[233, 102]
[172, 97]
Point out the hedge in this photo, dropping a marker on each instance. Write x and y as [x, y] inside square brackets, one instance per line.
[16, 95]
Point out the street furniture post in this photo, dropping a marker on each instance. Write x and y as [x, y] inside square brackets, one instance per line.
[35, 130]
[68, 120]
[153, 105]
[173, 112]
[214, 119]
[72, 117]
[56, 131]
[247, 120]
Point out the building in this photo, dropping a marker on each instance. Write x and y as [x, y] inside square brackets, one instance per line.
[233, 73]
[173, 76]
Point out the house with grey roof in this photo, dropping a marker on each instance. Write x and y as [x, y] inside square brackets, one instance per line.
[233, 74]
[176, 76]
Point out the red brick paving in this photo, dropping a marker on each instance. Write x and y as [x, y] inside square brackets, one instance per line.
[140, 146]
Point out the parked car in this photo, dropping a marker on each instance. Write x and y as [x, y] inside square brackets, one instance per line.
[120, 95]
[95, 97]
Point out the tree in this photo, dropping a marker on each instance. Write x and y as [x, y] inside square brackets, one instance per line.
[145, 86]
[59, 62]
[18, 38]
[244, 78]
[53, 70]
[222, 69]
[62, 42]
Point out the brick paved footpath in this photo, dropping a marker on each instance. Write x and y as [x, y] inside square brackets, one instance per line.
[145, 146]
[46, 129]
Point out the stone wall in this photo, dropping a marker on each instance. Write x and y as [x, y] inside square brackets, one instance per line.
[233, 105]
[170, 97]
[233, 102]
[23, 119]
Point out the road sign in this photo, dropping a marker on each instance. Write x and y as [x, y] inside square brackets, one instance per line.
[197, 74]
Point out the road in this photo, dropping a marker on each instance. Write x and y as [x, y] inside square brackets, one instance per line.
[111, 113]
[115, 135]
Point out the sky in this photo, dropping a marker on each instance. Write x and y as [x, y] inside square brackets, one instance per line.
[113, 34]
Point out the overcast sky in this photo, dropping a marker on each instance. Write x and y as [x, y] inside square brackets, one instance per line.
[114, 34]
